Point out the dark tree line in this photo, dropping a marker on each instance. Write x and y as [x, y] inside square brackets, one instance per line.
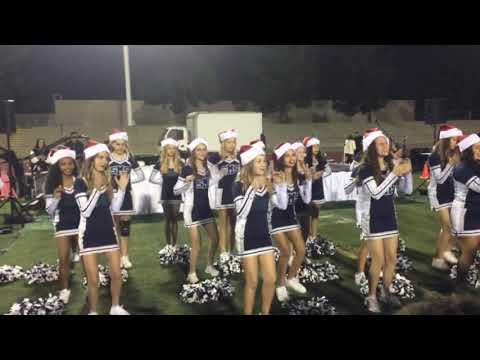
[360, 78]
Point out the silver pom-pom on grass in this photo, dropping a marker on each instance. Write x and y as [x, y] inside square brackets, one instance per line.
[313, 273]
[473, 275]
[52, 305]
[320, 246]
[207, 291]
[10, 274]
[41, 273]
[228, 265]
[312, 306]
[400, 286]
[173, 255]
[104, 276]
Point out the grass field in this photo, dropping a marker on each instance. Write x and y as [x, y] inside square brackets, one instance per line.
[153, 289]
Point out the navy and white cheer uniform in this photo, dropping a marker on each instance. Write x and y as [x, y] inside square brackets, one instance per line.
[96, 232]
[127, 165]
[377, 207]
[318, 194]
[284, 220]
[64, 212]
[440, 188]
[167, 182]
[224, 196]
[196, 202]
[465, 211]
[253, 209]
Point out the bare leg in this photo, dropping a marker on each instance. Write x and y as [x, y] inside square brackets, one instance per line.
[296, 239]
[222, 229]
[113, 259]
[90, 266]
[212, 233]
[124, 239]
[362, 256]
[390, 246]
[375, 248]
[195, 248]
[469, 246]
[445, 239]
[63, 250]
[267, 264]
[284, 247]
[250, 265]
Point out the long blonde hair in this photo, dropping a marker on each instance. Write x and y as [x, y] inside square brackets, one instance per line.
[164, 161]
[247, 177]
[127, 148]
[223, 152]
[87, 176]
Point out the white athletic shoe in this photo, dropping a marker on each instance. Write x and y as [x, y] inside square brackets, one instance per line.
[372, 304]
[212, 271]
[192, 278]
[76, 257]
[125, 262]
[118, 310]
[360, 278]
[282, 294]
[295, 285]
[440, 264]
[450, 257]
[64, 295]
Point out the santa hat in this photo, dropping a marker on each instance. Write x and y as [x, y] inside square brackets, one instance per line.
[297, 145]
[169, 141]
[60, 154]
[448, 131]
[468, 141]
[118, 135]
[229, 134]
[197, 142]
[93, 148]
[248, 153]
[281, 149]
[310, 141]
[257, 143]
[370, 137]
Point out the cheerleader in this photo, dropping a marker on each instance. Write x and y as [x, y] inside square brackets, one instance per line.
[441, 192]
[165, 173]
[62, 208]
[254, 197]
[97, 233]
[284, 224]
[320, 170]
[224, 199]
[193, 183]
[466, 204]
[302, 208]
[379, 176]
[122, 160]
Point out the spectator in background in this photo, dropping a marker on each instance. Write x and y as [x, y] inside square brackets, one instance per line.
[349, 149]
[75, 144]
[41, 152]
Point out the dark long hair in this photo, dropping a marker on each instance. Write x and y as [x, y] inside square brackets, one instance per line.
[279, 165]
[467, 157]
[322, 161]
[37, 144]
[193, 164]
[370, 159]
[442, 147]
[54, 177]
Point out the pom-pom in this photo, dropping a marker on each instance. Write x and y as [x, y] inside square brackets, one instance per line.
[320, 246]
[9, 274]
[400, 286]
[404, 264]
[402, 246]
[313, 306]
[312, 273]
[41, 273]
[473, 275]
[104, 276]
[228, 265]
[172, 255]
[49, 306]
[207, 291]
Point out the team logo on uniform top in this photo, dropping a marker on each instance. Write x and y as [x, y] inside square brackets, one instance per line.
[201, 183]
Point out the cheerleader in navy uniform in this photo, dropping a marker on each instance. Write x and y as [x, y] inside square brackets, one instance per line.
[284, 223]
[122, 160]
[227, 159]
[97, 234]
[165, 173]
[379, 176]
[61, 206]
[320, 170]
[254, 197]
[193, 183]
[442, 161]
[302, 208]
[466, 204]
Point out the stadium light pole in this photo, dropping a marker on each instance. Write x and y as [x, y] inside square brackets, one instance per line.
[128, 90]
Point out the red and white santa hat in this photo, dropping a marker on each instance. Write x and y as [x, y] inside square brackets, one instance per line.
[370, 136]
[281, 149]
[197, 142]
[468, 141]
[257, 143]
[60, 154]
[118, 135]
[248, 153]
[169, 141]
[93, 148]
[449, 131]
[297, 145]
[310, 141]
[229, 134]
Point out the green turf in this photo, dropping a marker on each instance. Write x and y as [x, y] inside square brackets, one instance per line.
[153, 289]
